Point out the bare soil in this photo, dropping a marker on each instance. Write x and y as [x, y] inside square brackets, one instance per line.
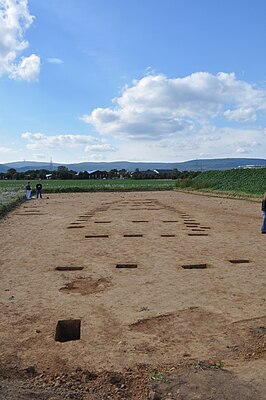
[188, 321]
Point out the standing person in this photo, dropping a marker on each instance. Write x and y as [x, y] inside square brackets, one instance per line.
[28, 191]
[39, 189]
[263, 207]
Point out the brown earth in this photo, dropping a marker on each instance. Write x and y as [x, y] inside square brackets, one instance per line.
[187, 322]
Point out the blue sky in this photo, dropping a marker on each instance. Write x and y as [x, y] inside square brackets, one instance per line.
[142, 80]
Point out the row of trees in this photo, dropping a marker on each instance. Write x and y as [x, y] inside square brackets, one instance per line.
[173, 174]
[64, 173]
[13, 174]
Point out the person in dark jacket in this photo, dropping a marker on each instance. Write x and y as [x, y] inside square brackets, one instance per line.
[39, 190]
[263, 207]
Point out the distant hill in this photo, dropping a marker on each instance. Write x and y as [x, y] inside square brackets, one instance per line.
[26, 165]
[3, 168]
[192, 165]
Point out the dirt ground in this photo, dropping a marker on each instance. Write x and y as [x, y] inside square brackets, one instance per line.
[169, 292]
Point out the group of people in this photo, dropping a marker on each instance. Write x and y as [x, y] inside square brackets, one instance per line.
[38, 190]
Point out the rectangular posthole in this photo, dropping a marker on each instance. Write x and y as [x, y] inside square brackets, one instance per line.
[170, 235]
[75, 226]
[198, 234]
[146, 209]
[134, 235]
[96, 236]
[168, 222]
[69, 268]
[239, 261]
[31, 213]
[126, 265]
[68, 329]
[139, 221]
[194, 266]
[102, 222]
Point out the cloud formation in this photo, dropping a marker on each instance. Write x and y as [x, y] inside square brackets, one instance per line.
[156, 107]
[6, 150]
[100, 147]
[15, 19]
[241, 114]
[163, 119]
[55, 60]
[39, 141]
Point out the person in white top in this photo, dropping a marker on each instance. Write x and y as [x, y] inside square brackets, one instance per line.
[28, 191]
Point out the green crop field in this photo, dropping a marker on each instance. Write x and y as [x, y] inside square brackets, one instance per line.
[235, 181]
[238, 181]
[84, 185]
[13, 192]
[10, 191]
[95, 185]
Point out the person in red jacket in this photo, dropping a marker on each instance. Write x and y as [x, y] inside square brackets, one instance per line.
[263, 207]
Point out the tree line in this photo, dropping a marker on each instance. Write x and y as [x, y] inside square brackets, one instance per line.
[63, 172]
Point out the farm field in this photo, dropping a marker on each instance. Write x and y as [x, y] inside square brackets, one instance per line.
[250, 182]
[168, 289]
[90, 184]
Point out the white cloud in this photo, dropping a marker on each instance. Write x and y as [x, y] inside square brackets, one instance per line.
[228, 141]
[89, 144]
[39, 156]
[28, 69]
[6, 150]
[7, 154]
[42, 141]
[15, 19]
[100, 147]
[210, 142]
[96, 157]
[55, 60]
[156, 107]
[241, 114]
